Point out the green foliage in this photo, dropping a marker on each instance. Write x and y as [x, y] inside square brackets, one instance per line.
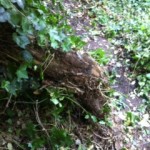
[59, 95]
[144, 83]
[100, 56]
[10, 87]
[35, 22]
[22, 72]
[61, 138]
[43, 24]
[34, 19]
[126, 24]
[32, 133]
[4, 15]
[131, 119]
[37, 141]
[91, 117]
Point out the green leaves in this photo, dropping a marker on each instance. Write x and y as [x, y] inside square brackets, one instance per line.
[10, 87]
[21, 40]
[4, 15]
[27, 56]
[56, 96]
[126, 30]
[100, 56]
[15, 84]
[76, 42]
[54, 35]
[60, 137]
[6, 3]
[20, 3]
[131, 119]
[144, 83]
[54, 38]
[92, 117]
[148, 75]
[26, 25]
[22, 72]
[50, 29]
[6, 85]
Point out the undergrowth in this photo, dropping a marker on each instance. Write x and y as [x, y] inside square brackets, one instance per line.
[126, 25]
[34, 117]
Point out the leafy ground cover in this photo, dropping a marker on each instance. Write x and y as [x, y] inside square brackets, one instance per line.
[34, 116]
[118, 32]
[125, 25]
[122, 23]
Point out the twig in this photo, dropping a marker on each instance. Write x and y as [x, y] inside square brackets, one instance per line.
[24, 102]
[21, 147]
[48, 61]
[40, 122]
[104, 138]
[9, 56]
[3, 148]
[8, 102]
[98, 145]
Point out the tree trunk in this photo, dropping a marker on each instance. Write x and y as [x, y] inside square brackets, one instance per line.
[74, 71]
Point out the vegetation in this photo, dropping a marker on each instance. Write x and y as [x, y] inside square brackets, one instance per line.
[47, 116]
[44, 25]
[34, 22]
[126, 23]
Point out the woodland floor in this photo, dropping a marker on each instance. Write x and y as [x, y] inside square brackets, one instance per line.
[81, 22]
[99, 139]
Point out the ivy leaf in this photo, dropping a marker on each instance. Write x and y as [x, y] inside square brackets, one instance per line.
[54, 34]
[20, 3]
[27, 56]
[77, 42]
[56, 37]
[61, 137]
[21, 40]
[87, 117]
[102, 122]
[55, 101]
[15, 18]
[42, 40]
[4, 15]
[148, 75]
[26, 26]
[22, 72]
[2, 10]
[5, 85]
[6, 3]
[54, 44]
[39, 25]
[66, 45]
[94, 119]
[10, 87]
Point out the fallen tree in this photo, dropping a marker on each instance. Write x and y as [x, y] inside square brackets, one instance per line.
[73, 70]
[35, 44]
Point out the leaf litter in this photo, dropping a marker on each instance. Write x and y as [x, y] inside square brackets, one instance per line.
[127, 137]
